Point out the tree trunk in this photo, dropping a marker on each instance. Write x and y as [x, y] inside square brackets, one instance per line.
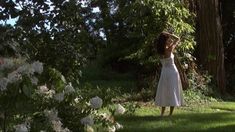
[209, 39]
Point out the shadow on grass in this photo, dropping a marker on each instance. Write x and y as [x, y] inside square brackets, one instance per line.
[179, 122]
[223, 128]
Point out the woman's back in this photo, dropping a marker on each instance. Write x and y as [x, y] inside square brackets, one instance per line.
[166, 62]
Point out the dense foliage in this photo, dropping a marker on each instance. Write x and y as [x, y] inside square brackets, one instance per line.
[131, 26]
[42, 55]
[55, 32]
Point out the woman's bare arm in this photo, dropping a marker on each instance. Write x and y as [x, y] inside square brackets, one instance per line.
[176, 38]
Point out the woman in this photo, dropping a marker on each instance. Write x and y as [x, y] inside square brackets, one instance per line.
[169, 91]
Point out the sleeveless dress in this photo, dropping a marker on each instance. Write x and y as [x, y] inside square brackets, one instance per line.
[169, 90]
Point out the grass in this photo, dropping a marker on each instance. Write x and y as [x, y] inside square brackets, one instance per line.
[219, 116]
[200, 114]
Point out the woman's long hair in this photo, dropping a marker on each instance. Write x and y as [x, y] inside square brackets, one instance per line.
[160, 43]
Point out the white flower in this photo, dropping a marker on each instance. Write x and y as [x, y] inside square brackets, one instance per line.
[23, 69]
[21, 128]
[118, 126]
[66, 130]
[59, 97]
[7, 63]
[14, 77]
[69, 89]
[51, 114]
[76, 100]
[57, 125]
[26, 69]
[107, 117]
[104, 115]
[3, 83]
[89, 129]
[96, 102]
[188, 55]
[30, 70]
[120, 109]
[186, 66]
[34, 80]
[43, 89]
[87, 121]
[50, 93]
[38, 67]
[111, 129]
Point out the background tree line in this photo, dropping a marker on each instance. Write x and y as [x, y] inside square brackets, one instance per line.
[67, 34]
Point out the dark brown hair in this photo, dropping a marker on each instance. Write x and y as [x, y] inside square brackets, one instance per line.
[160, 43]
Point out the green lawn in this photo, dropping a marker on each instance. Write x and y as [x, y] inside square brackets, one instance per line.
[219, 116]
[202, 114]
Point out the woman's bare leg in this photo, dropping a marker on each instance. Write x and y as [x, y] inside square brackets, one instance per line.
[163, 110]
[171, 110]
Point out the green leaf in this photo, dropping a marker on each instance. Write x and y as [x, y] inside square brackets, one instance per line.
[27, 90]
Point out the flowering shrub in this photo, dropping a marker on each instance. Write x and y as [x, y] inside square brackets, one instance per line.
[120, 109]
[87, 121]
[21, 128]
[37, 98]
[17, 80]
[96, 102]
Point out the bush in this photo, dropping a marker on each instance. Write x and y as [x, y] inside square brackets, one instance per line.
[30, 101]
[200, 81]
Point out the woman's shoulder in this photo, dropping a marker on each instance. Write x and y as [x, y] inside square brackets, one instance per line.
[168, 54]
[171, 55]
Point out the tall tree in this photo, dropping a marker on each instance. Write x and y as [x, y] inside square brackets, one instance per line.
[210, 41]
[55, 32]
[130, 27]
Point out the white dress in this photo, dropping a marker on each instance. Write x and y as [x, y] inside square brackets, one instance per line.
[169, 90]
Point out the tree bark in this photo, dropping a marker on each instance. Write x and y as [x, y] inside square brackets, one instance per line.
[209, 39]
